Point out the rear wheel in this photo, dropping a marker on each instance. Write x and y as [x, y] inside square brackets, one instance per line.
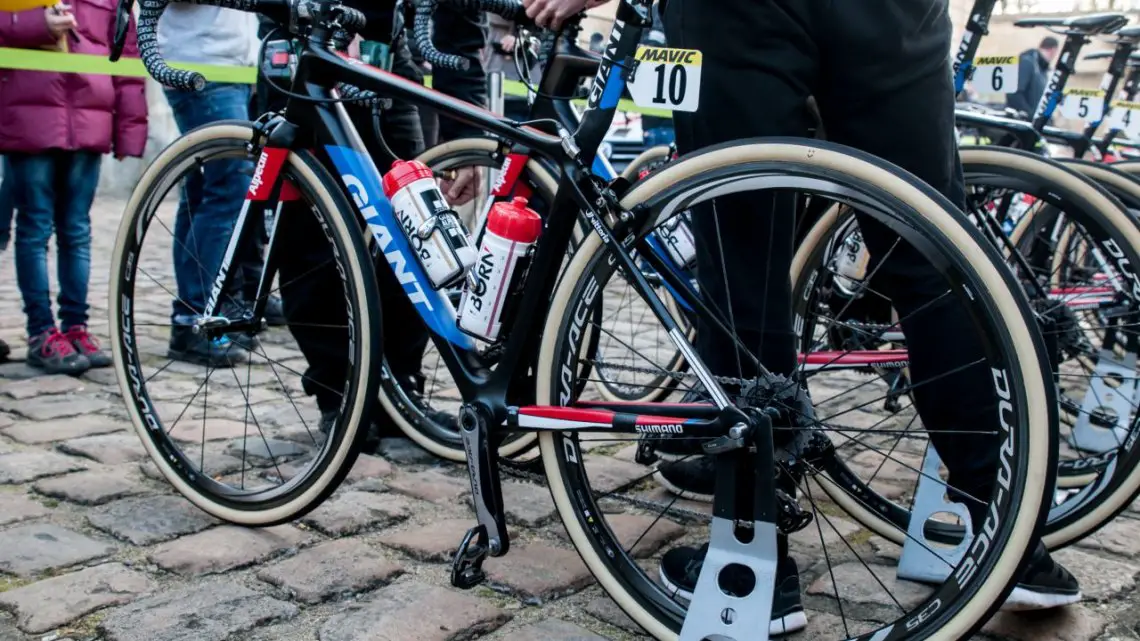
[608, 514]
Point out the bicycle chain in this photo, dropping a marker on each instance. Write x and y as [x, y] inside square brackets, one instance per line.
[518, 470]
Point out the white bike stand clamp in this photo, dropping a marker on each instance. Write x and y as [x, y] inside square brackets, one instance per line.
[1101, 399]
[923, 560]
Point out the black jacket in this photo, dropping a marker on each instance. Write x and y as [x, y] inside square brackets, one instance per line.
[1032, 77]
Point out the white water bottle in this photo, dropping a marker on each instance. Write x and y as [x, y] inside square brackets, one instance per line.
[850, 264]
[434, 231]
[677, 237]
[512, 229]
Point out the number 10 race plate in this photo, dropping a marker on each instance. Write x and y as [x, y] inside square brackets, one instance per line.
[667, 78]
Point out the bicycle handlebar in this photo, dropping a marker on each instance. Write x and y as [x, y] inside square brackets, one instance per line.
[326, 14]
[511, 10]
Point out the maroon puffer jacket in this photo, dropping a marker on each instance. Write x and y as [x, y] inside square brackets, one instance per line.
[42, 110]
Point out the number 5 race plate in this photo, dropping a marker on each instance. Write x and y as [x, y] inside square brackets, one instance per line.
[667, 79]
[1083, 104]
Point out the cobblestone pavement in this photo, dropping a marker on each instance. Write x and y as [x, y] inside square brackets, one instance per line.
[93, 545]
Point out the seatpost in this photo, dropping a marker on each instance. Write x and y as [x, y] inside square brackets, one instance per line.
[976, 27]
[1053, 93]
[1111, 79]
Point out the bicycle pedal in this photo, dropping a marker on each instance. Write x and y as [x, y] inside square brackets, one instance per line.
[467, 566]
[646, 454]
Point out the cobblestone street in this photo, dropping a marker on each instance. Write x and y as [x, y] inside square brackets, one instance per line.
[94, 544]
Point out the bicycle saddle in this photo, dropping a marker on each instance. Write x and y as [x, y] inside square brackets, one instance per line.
[1133, 59]
[1097, 23]
[1129, 33]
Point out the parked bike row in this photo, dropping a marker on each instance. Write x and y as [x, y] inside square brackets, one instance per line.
[963, 382]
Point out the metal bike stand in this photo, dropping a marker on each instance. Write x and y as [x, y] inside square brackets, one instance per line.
[716, 616]
[1094, 438]
[924, 560]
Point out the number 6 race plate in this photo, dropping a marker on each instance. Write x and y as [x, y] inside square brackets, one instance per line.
[996, 74]
[667, 79]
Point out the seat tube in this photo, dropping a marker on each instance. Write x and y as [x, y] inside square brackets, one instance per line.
[1053, 93]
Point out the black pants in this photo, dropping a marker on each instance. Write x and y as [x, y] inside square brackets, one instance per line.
[879, 70]
[312, 295]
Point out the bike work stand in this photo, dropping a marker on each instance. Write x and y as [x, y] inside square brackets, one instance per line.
[714, 614]
[1110, 404]
[924, 560]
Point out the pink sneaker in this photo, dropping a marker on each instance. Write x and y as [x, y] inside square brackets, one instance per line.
[88, 345]
[51, 352]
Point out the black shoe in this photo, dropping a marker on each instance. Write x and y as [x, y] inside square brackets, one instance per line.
[274, 312]
[236, 310]
[189, 347]
[248, 342]
[371, 442]
[413, 387]
[671, 448]
[5, 351]
[693, 478]
[1044, 584]
[681, 566]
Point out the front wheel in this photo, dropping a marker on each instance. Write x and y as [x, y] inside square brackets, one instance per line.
[247, 434]
[607, 514]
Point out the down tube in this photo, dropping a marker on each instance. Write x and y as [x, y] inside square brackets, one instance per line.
[361, 180]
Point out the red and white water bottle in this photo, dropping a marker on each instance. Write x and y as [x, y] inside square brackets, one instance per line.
[434, 231]
[512, 229]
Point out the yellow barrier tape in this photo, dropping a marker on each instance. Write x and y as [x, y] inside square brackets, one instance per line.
[24, 5]
[41, 60]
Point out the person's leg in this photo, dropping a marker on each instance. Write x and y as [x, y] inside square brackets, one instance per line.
[7, 205]
[878, 82]
[913, 98]
[206, 215]
[34, 193]
[79, 172]
[7, 213]
[743, 240]
[759, 67]
[76, 179]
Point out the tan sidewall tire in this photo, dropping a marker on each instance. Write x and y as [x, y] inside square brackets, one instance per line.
[330, 203]
[1020, 335]
[1124, 493]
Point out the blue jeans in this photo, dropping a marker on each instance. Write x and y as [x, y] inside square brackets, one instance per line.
[7, 206]
[211, 199]
[53, 189]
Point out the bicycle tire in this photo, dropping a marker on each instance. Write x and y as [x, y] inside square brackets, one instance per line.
[676, 186]
[1078, 185]
[341, 449]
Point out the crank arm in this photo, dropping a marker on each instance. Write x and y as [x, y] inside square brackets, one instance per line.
[486, 489]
